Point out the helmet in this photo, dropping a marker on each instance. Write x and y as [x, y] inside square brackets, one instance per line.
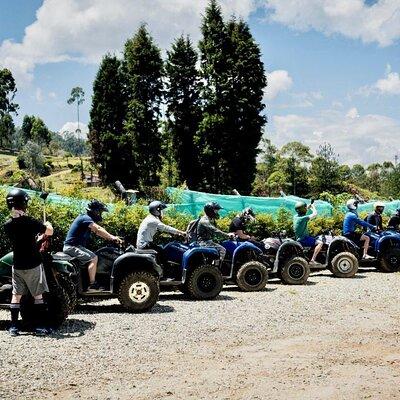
[17, 198]
[352, 204]
[155, 208]
[379, 207]
[95, 208]
[211, 209]
[398, 211]
[300, 207]
[248, 214]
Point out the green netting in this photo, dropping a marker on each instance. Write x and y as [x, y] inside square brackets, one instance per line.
[191, 202]
[390, 206]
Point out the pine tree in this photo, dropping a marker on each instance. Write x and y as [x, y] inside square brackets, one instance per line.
[212, 136]
[143, 68]
[110, 150]
[183, 108]
[244, 117]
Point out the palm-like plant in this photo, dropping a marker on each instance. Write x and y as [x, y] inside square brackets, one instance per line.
[77, 96]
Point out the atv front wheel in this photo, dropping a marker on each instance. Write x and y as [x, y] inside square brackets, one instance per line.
[139, 291]
[295, 271]
[252, 276]
[204, 283]
[68, 285]
[344, 265]
[390, 261]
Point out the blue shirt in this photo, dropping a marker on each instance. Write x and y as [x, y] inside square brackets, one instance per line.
[351, 220]
[79, 232]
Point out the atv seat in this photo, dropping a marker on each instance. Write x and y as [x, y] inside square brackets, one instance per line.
[146, 251]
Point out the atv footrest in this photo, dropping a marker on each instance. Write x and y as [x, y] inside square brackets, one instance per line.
[170, 282]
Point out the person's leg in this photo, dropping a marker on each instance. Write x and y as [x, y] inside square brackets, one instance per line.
[92, 269]
[317, 249]
[14, 309]
[365, 239]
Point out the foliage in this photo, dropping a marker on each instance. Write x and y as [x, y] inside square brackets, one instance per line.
[7, 130]
[111, 153]
[8, 90]
[31, 157]
[143, 68]
[183, 110]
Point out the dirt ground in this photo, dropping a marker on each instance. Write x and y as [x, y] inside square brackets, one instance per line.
[330, 339]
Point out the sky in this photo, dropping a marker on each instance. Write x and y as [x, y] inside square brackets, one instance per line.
[333, 66]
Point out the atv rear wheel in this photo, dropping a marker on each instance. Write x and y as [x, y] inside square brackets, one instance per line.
[344, 265]
[68, 285]
[295, 271]
[390, 262]
[204, 282]
[139, 291]
[252, 276]
[57, 303]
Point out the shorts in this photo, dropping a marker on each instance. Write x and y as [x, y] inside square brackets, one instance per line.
[82, 254]
[353, 236]
[33, 281]
[308, 241]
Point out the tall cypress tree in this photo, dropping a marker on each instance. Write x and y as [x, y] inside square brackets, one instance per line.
[245, 118]
[143, 68]
[110, 149]
[183, 108]
[212, 136]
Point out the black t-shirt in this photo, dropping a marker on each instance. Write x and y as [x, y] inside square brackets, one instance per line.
[22, 232]
[236, 225]
[376, 220]
[394, 222]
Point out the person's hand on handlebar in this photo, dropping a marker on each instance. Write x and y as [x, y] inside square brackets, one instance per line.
[231, 235]
[117, 240]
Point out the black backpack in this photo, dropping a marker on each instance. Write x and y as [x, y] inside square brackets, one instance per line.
[191, 230]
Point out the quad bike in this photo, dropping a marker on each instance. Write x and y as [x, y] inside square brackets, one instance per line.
[286, 259]
[130, 275]
[244, 265]
[191, 268]
[338, 254]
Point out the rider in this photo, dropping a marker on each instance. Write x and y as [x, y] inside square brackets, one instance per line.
[300, 227]
[207, 230]
[375, 218]
[350, 221]
[78, 236]
[27, 273]
[394, 222]
[151, 224]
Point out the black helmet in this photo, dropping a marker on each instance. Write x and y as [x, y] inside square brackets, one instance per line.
[211, 209]
[248, 214]
[95, 208]
[17, 198]
[155, 208]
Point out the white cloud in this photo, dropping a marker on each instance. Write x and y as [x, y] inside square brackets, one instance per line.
[278, 81]
[71, 127]
[52, 95]
[352, 113]
[363, 139]
[389, 85]
[84, 30]
[379, 23]
[39, 95]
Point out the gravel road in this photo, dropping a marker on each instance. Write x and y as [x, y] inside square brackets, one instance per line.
[331, 339]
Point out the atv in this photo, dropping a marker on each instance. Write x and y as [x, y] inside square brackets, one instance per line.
[191, 268]
[57, 299]
[385, 248]
[338, 254]
[286, 259]
[244, 265]
[130, 275]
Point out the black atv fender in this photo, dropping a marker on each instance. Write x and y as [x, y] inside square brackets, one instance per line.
[288, 249]
[340, 244]
[386, 242]
[130, 262]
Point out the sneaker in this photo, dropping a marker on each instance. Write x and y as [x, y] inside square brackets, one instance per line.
[13, 331]
[367, 257]
[313, 262]
[95, 287]
[41, 332]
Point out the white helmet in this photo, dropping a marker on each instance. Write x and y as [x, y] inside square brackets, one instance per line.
[352, 204]
[379, 206]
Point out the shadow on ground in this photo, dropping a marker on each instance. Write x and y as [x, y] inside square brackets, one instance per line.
[118, 309]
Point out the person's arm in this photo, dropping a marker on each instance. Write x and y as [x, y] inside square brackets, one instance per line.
[101, 232]
[242, 235]
[314, 211]
[364, 224]
[169, 229]
[49, 229]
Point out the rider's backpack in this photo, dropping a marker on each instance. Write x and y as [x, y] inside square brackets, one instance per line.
[191, 230]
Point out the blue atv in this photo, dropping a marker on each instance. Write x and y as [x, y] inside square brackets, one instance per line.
[244, 265]
[191, 268]
[385, 248]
